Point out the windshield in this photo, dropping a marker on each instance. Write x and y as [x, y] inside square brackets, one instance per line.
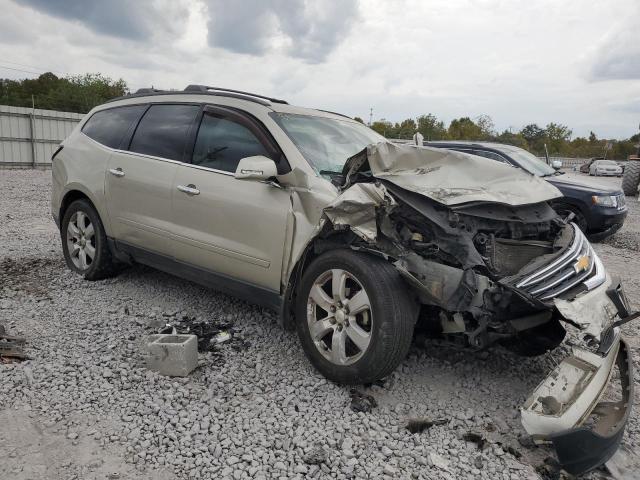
[606, 163]
[326, 143]
[526, 160]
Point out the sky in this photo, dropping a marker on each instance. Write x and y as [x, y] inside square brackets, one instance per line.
[575, 62]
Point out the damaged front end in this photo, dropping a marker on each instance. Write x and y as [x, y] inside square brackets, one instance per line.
[490, 260]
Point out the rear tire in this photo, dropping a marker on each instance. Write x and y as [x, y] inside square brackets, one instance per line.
[631, 178]
[84, 242]
[354, 316]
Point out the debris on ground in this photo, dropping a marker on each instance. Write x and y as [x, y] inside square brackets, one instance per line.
[474, 437]
[172, 355]
[419, 425]
[315, 456]
[11, 348]
[211, 334]
[222, 337]
[362, 402]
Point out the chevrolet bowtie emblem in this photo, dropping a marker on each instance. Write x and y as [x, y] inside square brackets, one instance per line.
[582, 264]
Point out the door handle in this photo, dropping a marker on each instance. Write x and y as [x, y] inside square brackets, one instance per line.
[189, 189]
[117, 172]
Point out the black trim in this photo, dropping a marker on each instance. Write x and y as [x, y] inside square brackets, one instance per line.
[223, 283]
[246, 97]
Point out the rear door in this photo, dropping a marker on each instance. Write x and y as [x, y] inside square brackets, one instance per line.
[233, 227]
[140, 177]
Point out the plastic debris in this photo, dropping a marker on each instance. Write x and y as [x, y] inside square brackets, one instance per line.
[362, 402]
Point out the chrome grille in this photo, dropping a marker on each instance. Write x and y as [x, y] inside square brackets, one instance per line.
[578, 264]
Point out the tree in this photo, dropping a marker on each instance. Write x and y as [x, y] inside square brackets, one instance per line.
[515, 139]
[383, 127]
[358, 119]
[406, 128]
[533, 134]
[592, 137]
[487, 128]
[464, 129]
[556, 136]
[78, 93]
[431, 128]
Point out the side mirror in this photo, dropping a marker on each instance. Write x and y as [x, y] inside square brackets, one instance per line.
[257, 167]
[557, 164]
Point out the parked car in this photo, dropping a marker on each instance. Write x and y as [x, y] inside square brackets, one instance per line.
[605, 168]
[352, 239]
[584, 168]
[599, 212]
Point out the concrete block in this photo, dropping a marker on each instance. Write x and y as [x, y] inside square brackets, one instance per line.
[172, 355]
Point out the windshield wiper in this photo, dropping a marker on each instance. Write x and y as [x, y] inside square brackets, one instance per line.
[329, 172]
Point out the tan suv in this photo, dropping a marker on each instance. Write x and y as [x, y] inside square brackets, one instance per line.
[350, 238]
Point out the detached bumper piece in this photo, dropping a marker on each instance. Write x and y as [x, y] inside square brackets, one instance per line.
[557, 409]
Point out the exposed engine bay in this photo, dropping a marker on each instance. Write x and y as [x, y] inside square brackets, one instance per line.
[494, 267]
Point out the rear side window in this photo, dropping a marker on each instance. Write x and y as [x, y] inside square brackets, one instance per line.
[109, 127]
[163, 130]
[222, 143]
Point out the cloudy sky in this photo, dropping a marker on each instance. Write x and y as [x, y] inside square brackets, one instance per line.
[520, 61]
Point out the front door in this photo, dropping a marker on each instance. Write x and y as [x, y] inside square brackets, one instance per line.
[236, 228]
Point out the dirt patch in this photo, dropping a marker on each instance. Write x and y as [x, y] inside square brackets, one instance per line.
[30, 276]
[625, 240]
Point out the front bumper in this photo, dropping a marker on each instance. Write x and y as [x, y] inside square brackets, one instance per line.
[604, 221]
[557, 410]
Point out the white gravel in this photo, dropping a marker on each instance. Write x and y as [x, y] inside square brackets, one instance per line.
[85, 406]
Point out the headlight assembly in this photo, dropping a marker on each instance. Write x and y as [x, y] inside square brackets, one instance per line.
[605, 200]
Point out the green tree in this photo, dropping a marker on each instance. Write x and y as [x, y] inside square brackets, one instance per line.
[431, 128]
[592, 137]
[515, 139]
[556, 137]
[358, 119]
[464, 129]
[534, 135]
[406, 128]
[383, 127]
[78, 93]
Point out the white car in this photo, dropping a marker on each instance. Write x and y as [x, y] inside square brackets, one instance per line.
[605, 168]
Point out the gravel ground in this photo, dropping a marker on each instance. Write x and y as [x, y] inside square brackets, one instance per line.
[85, 407]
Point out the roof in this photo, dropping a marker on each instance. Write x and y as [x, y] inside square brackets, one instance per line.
[273, 104]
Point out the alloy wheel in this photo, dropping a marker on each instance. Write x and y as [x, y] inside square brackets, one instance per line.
[81, 240]
[339, 317]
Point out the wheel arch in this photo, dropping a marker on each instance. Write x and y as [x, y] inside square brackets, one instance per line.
[315, 247]
[570, 202]
[77, 192]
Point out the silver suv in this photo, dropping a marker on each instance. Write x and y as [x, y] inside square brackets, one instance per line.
[352, 239]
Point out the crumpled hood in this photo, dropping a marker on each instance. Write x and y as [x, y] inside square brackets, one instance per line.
[450, 177]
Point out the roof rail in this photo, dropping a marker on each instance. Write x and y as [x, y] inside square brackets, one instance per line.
[148, 90]
[207, 89]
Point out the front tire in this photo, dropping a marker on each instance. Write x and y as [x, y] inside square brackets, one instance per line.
[84, 242]
[354, 316]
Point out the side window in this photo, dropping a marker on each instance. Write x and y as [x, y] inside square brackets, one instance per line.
[109, 127]
[163, 130]
[222, 143]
